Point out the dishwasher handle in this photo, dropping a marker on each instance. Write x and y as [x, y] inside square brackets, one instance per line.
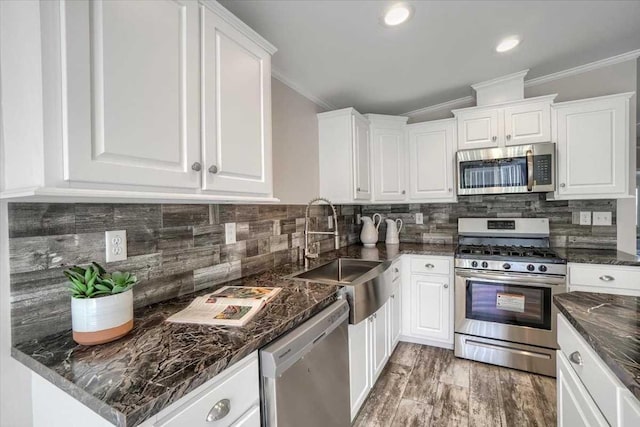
[280, 355]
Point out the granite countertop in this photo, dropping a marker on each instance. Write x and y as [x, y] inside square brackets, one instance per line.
[598, 256]
[129, 380]
[611, 326]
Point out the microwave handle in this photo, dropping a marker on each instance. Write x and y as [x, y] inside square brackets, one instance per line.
[529, 170]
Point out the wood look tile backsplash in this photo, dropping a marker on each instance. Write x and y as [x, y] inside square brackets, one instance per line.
[178, 249]
[173, 250]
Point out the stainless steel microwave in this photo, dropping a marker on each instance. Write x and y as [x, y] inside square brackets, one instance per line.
[515, 169]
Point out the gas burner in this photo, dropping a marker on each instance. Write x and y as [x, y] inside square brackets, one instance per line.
[467, 251]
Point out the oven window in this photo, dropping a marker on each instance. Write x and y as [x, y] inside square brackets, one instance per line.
[510, 172]
[510, 304]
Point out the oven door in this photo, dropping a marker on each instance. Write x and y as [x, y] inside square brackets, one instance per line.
[515, 169]
[507, 306]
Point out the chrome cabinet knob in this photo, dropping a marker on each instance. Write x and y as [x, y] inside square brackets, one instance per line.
[358, 189]
[393, 296]
[213, 169]
[563, 185]
[446, 286]
[494, 138]
[429, 265]
[404, 192]
[396, 270]
[450, 189]
[219, 410]
[575, 358]
[508, 137]
[607, 278]
[196, 167]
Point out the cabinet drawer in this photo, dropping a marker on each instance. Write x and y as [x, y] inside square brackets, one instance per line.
[616, 280]
[595, 376]
[240, 387]
[430, 265]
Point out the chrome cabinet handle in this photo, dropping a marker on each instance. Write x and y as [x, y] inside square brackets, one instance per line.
[446, 286]
[429, 265]
[529, 170]
[196, 167]
[575, 358]
[607, 278]
[563, 185]
[219, 410]
[508, 137]
[493, 138]
[213, 169]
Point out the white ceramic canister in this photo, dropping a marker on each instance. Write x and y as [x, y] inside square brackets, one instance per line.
[103, 319]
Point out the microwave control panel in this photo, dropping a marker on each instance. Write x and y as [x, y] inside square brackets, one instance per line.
[542, 169]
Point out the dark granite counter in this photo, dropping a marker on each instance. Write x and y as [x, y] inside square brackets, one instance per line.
[598, 256]
[131, 379]
[611, 326]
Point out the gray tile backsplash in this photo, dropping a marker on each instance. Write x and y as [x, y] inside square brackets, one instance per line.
[178, 249]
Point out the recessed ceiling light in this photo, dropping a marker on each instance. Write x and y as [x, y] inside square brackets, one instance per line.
[507, 44]
[397, 14]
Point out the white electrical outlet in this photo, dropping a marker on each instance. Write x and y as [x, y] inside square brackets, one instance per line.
[602, 218]
[419, 218]
[585, 218]
[115, 245]
[330, 222]
[358, 220]
[230, 232]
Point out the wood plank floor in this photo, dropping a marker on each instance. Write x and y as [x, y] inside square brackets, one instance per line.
[429, 386]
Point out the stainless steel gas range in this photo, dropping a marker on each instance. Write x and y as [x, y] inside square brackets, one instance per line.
[506, 277]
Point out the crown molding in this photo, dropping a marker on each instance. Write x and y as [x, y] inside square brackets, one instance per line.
[296, 87]
[236, 23]
[444, 105]
[502, 79]
[634, 54]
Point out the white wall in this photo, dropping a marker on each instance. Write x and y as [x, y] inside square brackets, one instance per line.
[20, 118]
[295, 145]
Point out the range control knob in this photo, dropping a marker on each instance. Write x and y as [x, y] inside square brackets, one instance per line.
[485, 264]
[531, 267]
[542, 268]
[506, 266]
[474, 264]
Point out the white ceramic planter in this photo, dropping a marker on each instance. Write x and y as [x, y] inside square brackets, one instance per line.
[100, 320]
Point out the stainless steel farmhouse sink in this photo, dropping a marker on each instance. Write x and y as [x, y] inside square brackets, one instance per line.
[366, 284]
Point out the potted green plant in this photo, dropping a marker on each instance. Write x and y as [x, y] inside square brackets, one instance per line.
[101, 304]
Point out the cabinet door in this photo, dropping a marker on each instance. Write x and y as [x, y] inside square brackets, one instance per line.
[478, 129]
[130, 92]
[394, 303]
[250, 419]
[432, 161]
[527, 123]
[359, 364]
[430, 307]
[575, 407]
[389, 169]
[593, 147]
[379, 341]
[362, 159]
[236, 110]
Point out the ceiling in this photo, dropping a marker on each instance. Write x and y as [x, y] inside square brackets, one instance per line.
[338, 51]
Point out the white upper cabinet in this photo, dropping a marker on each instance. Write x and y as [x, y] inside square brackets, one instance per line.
[521, 122]
[592, 138]
[388, 145]
[130, 92]
[236, 109]
[432, 161]
[362, 158]
[345, 156]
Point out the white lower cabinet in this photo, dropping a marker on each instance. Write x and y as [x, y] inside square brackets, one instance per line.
[369, 351]
[427, 305]
[232, 398]
[589, 394]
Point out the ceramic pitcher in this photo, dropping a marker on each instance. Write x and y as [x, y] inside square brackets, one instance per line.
[369, 234]
[393, 231]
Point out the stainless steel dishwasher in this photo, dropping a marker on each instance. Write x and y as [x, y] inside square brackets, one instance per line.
[305, 373]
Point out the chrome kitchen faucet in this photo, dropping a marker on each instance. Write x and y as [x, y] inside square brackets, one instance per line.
[306, 253]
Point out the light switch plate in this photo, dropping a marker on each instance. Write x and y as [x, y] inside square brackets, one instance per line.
[115, 245]
[602, 218]
[230, 233]
[419, 218]
[585, 218]
[330, 222]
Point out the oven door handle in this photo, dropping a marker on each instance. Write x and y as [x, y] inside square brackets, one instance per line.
[529, 170]
[537, 280]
